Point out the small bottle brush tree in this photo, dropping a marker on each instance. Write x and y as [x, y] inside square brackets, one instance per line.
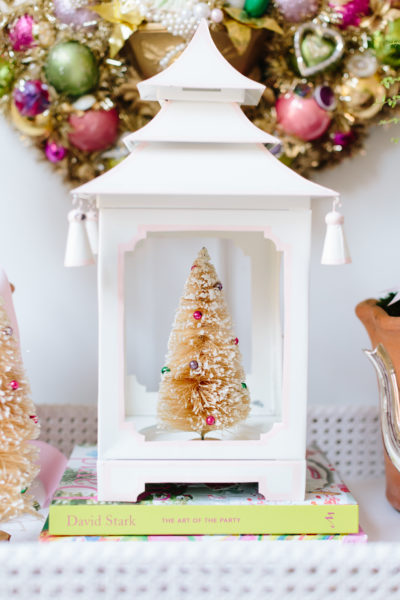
[18, 425]
[203, 383]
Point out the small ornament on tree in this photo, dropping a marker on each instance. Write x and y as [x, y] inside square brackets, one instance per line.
[18, 425]
[202, 387]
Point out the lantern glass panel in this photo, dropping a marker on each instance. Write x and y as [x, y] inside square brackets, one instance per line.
[251, 270]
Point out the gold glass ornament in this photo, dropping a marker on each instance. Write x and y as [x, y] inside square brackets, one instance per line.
[363, 97]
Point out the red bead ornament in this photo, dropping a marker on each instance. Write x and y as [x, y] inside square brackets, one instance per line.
[197, 315]
[193, 267]
[34, 418]
[236, 341]
[210, 420]
[14, 385]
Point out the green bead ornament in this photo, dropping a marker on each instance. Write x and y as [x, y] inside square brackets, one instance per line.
[244, 386]
[256, 8]
[315, 49]
[72, 69]
[6, 76]
[387, 45]
[165, 370]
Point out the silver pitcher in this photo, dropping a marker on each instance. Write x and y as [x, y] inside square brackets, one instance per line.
[390, 419]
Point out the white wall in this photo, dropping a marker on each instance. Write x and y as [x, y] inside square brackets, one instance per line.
[57, 310]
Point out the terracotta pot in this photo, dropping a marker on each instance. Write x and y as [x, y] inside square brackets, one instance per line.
[384, 329]
[150, 43]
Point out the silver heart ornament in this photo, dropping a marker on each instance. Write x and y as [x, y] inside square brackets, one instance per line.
[325, 33]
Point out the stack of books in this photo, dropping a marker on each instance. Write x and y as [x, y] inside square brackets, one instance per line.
[196, 512]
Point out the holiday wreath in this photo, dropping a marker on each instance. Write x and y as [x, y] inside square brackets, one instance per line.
[69, 69]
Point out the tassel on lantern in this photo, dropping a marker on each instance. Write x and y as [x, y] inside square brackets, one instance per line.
[92, 231]
[78, 252]
[335, 250]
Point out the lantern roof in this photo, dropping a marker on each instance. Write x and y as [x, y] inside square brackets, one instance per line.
[201, 73]
[180, 121]
[170, 169]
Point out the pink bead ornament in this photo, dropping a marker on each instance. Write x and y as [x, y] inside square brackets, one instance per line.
[21, 35]
[55, 152]
[217, 16]
[210, 420]
[236, 341]
[14, 385]
[197, 315]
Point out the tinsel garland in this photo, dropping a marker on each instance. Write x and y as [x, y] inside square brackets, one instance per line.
[367, 28]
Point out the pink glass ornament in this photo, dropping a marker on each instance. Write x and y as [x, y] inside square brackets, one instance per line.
[21, 35]
[298, 10]
[197, 315]
[94, 130]
[55, 152]
[31, 97]
[301, 117]
[193, 365]
[14, 385]
[210, 420]
[75, 13]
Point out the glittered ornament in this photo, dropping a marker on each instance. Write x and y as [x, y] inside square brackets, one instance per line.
[165, 370]
[197, 315]
[298, 10]
[351, 12]
[256, 8]
[301, 117]
[94, 130]
[75, 13]
[6, 76]
[193, 365]
[14, 385]
[343, 138]
[210, 420]
[21, 34]
[31, 97]
[55, 152]
[71, 68]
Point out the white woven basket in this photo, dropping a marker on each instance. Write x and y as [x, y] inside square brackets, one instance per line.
[214, 570]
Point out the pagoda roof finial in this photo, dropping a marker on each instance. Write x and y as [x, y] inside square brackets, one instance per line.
[201, 73]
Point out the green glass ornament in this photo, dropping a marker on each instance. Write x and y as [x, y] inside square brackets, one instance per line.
[256, 8]
[165, 370]
[72, 69]
[387, 46]
[6, 76]
[244, 386]
[316, 49]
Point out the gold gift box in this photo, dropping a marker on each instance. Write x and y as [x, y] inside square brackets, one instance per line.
[151, 42]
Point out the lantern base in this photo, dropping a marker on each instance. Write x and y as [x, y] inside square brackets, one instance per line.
[124, 480]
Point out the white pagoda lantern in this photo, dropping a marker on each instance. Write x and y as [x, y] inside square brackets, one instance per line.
[200, 169]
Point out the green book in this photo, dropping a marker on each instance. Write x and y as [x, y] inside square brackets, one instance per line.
[198, 509]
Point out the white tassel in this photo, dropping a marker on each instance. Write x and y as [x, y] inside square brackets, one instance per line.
[78, 252]
[336, 251]
[92, 230]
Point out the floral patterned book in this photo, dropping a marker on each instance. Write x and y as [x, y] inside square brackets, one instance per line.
[200, 509]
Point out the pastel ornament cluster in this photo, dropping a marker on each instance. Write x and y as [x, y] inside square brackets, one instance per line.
[202, 387]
